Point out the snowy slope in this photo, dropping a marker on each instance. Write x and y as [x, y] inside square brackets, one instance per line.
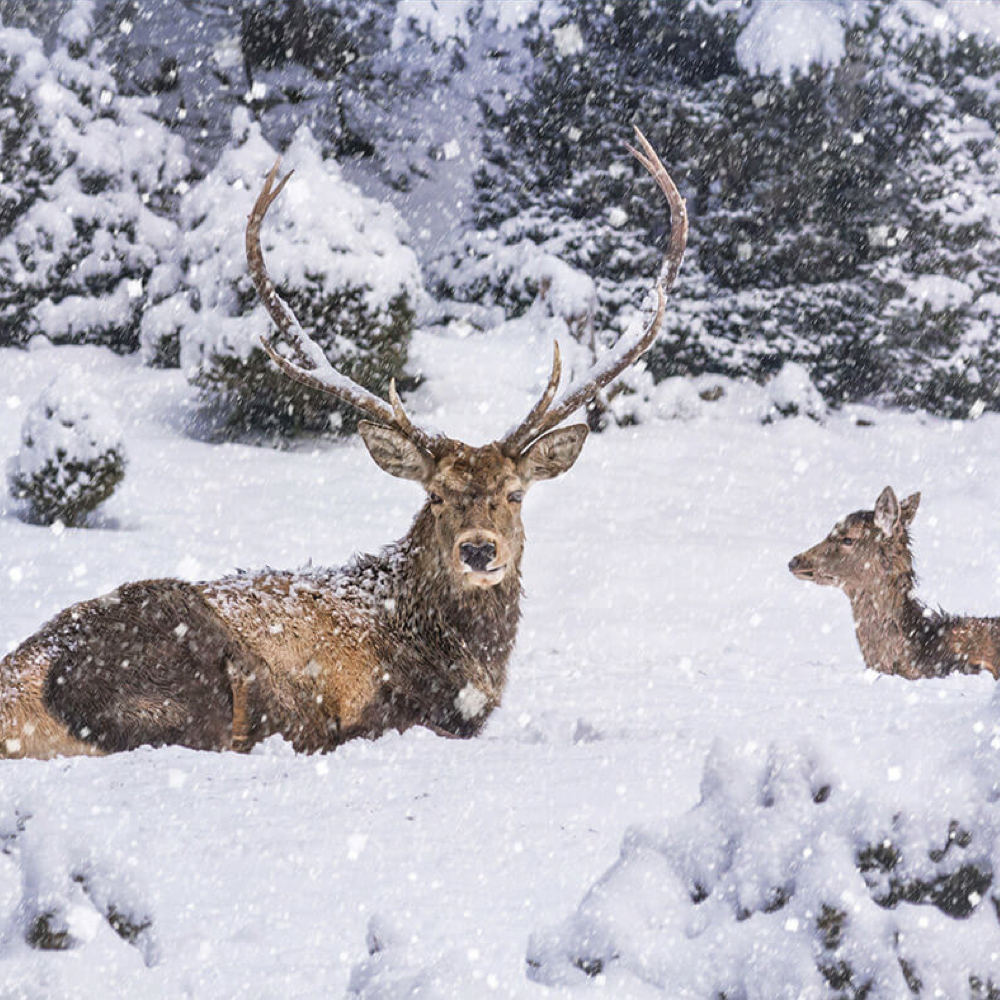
[660, 618]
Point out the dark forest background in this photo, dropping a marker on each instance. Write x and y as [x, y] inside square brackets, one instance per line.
[844, 212]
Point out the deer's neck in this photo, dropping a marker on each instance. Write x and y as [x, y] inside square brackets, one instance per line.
[446, 646]
[897, 633]
[432, 607]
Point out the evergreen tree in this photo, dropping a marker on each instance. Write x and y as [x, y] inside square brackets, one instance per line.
[85, 184]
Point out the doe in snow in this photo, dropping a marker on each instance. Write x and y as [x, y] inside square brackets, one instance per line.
[417, 634]
[868, 556]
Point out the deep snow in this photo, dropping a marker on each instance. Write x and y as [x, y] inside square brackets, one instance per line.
[660, 618]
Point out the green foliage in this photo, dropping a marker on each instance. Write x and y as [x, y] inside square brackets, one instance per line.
[67, 490]
[252, 395]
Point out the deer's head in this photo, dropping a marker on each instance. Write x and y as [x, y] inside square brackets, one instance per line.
[864, 546]
[473, 494]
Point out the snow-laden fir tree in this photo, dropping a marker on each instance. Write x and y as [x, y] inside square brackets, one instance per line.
[837, 158]
[84, 180]
[72, 455]
[338, 259]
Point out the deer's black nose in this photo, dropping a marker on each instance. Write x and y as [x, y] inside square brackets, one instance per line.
[795, 563]
[477, 557]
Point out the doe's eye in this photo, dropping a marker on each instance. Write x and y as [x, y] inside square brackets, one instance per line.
[847, 541]
[434, 498]
[516, 497]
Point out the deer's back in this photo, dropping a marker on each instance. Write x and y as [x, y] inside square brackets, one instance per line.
[974, 644]
[153, 662]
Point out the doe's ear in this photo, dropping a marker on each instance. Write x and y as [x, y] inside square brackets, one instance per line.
[552, 454]
[908, 508]
[887, 512]
[395, 453]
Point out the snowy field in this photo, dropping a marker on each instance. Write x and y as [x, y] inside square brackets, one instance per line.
[661, 625]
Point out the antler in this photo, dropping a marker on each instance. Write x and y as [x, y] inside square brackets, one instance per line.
[627, 350]
[319, 374]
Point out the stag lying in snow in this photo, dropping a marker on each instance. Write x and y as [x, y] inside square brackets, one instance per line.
[419, 634]
[868, 556]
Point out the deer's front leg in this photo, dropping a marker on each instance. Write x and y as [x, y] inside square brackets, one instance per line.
[242, 723]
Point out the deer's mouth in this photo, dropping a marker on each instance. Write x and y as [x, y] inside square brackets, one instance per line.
[484, 577]
[802, 570]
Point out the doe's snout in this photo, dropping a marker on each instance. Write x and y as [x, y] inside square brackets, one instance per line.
[801, 567]
[477, 556]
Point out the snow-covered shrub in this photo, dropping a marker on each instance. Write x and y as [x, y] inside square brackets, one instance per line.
[794, 877]
[337, 259]
[791, 393]
[60, 893]
[396, 968]
[86, 176]
[72, 456]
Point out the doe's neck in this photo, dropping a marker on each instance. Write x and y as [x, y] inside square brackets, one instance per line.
[893, 626]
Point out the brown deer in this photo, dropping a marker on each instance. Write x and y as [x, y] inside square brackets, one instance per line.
[868, 556]
[416, 635]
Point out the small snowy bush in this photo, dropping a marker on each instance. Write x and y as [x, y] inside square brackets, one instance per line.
[338, 260]
[86, 171]
[795, 876]
[72, 457]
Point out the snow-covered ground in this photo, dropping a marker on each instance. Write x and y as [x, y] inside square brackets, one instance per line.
[660, 621]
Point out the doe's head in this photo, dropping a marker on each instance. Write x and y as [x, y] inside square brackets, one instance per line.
[863, 546]
[474, 494]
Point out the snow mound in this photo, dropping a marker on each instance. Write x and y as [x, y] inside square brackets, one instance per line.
[399, 967]
[799, 876]
[60, 893]
[72, 454]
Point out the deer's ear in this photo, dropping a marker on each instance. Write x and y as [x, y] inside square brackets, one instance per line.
[908, 508]
[887, 512]
[552, 454]
[395, 453]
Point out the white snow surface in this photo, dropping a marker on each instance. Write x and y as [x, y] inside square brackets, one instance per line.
[676, 701]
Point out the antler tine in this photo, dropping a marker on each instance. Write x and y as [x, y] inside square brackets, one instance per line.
[403, 422]
[515, 439]
[678, 210]
[319, 374]
[628, 350]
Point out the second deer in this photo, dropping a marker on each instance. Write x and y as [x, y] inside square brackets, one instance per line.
[868, 556]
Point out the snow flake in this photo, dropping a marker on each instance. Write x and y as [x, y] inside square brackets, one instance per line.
[470, 701]
[355, 845]
[568, 39]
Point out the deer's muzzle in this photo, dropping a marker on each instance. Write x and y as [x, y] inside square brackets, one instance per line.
[481, 558]
[801, 567]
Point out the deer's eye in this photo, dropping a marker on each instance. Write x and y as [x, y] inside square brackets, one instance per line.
[847, 541]
[434, 498]
[516, 497]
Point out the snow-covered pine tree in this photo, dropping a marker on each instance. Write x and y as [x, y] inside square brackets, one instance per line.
[338, 259]
[837, 159]
[84, 184]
